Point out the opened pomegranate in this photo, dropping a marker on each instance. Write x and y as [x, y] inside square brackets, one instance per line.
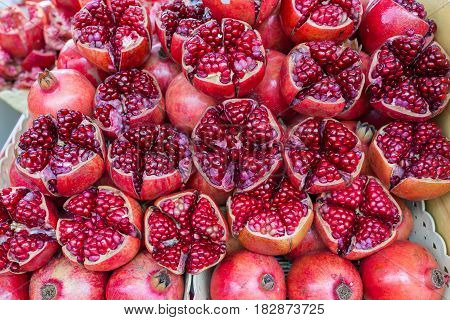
[147, 162]
[358, 220]
[403, 271]
[14, 287]
[175, 22]
[61, 156]
[9, 66]
[365, 133]
[21, 29]
[306, 20]
[57, 29]
[248, 276]
[126, 100]
[224, 60]
[324, 79]
[102, 230]
[311, 243]
[272, 34]
[27, 230]
[384, 19]
[409, 78]
[185, 232]
[113, 34]
[323, 276]
[236, 146]
[42, 59]
[144, 279]
[271, 219]
[412, 159]
[322, 155]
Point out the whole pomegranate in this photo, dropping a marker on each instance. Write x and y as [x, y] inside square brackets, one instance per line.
[14, 287]
[412, 159]
[272, 34]
[61, 156]
[270, 219]
[324, 79]
[248, 276]
[236, 145]
[63, 280]
[185, 232]
[113, 34]
[224, 59]
[409, 78]
[358, 220]
[306, 20]
[402, 271]
[311, 243]
[144, 279]
[384, 19]
[323, 276]
[322, 155]
[27, 230]
[147, 162]
[126, 100]
[58, 89]
[102, 229]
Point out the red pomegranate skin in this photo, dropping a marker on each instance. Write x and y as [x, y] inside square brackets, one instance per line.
[14, 287]
[311, 243]
[240, 276]
[144, 279]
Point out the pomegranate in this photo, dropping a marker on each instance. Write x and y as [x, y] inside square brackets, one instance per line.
[185, 105]
[271, 219]
[384, 19]
[409, 79]
[236, 145]
[27, 230]
[185, 232]
[358, 220]
[21, 29]
[403, 271]
[60, 89]
[114, 35]
[322, 155]
[61, 156]
[68, 6]
[268, 91]
[324, 79]
[311, 243]
[248, 276]
[9, 67]
[57, 29]
[224, 60]
[14, 287]
[273, 36]
[365, 133]
[63, 280]
[306, 20]
[324, 276]
[17, 180]
[144, 279]
[70, 58]
[102, 230]
[147, 162]
[42, 59]
[175, 22]
[412, 159]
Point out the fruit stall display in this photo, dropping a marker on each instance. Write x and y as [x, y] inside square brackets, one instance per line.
[174, 149]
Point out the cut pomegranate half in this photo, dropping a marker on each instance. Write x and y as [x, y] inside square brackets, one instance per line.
[113, 34]
[236, 146]
[27, 230]
[126, 100]
[358, 220]
[103, 228]
[409, 79]
[147, 162]
[224, 60]
[321, 78]
[185, 232]
[322, 155]
[412, 159]
[271, 219]
[175, 22]
[307, 20]
[61, 156]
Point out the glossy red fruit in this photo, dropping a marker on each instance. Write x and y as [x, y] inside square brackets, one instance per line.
[144, 279]
[248, 276]
[63, 280]
[311, 243]
[403, 271]
[272, 34]
[102, 230]
[14, 287]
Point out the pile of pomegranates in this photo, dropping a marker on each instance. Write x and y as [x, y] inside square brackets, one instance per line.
[182, 139]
